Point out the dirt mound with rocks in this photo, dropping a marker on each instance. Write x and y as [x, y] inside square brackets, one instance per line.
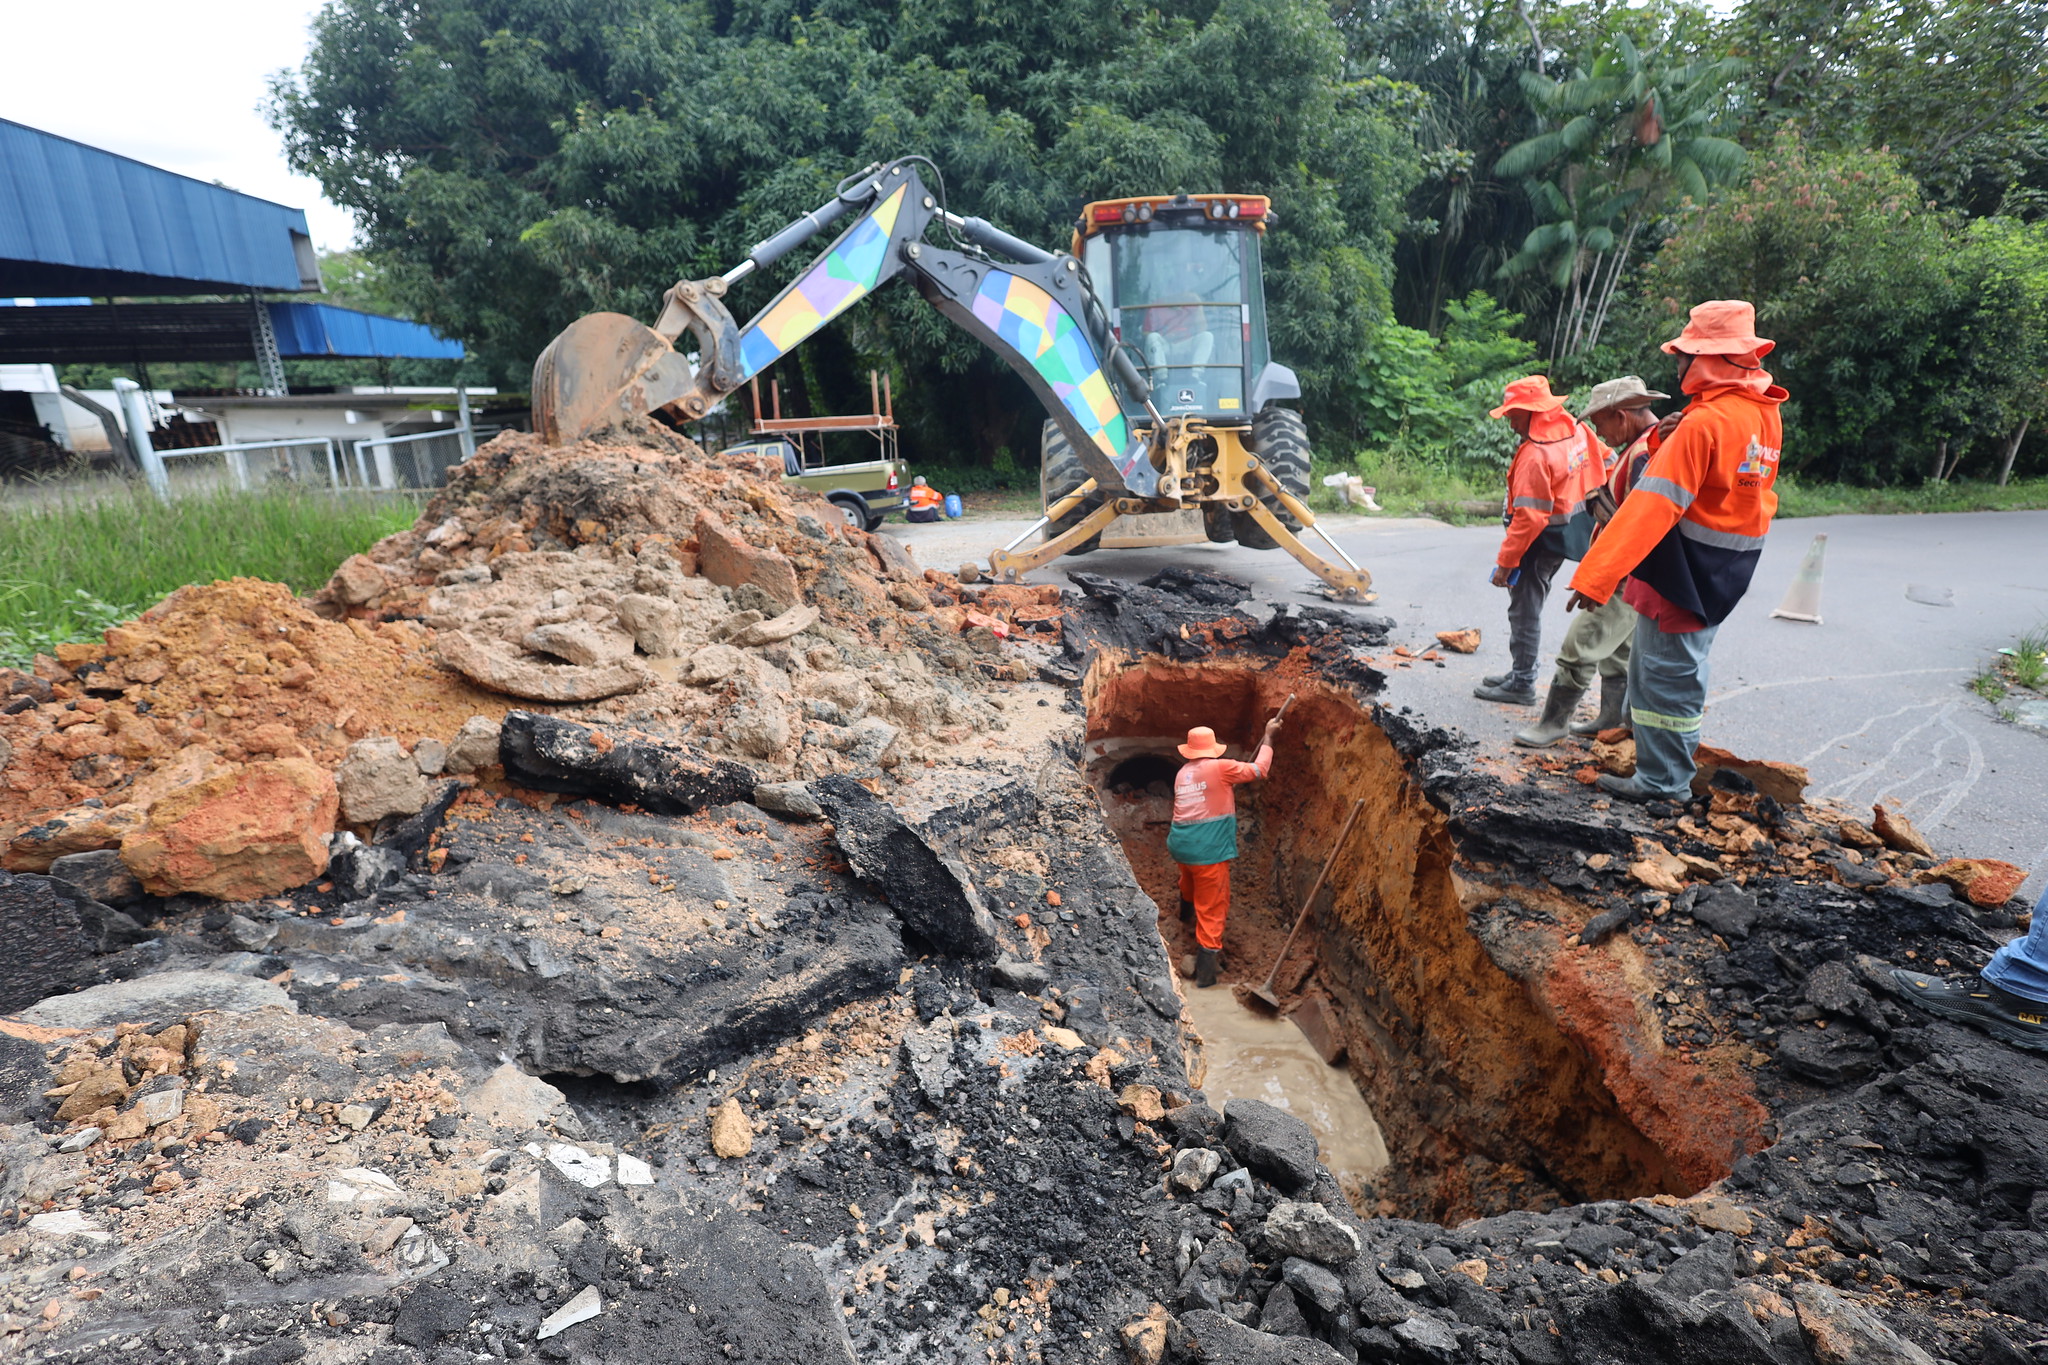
[695, 600]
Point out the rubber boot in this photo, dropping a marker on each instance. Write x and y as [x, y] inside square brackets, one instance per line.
[1506, 693]
[1558, 704]
[1187, 912]
[1613, 707]
[1205, 966]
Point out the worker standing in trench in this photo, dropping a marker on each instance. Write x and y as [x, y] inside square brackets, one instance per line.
[1619, 413]
[1203, 837]
[1688, 539]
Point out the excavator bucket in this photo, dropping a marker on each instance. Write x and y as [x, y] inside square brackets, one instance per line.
[603, 370]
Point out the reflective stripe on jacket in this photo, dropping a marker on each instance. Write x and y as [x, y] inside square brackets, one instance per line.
[1693, 526]
[1547, 485]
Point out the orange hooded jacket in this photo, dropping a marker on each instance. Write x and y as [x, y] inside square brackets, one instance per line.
[1692, 528]
[1555, 467]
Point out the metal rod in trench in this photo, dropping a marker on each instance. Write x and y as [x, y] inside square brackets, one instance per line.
[1264, 994]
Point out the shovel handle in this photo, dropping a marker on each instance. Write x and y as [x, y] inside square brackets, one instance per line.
[1308, 901]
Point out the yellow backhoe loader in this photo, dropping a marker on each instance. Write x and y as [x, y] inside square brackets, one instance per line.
[1146, 343]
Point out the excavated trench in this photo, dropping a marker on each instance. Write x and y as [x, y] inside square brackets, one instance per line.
[1488, 1099]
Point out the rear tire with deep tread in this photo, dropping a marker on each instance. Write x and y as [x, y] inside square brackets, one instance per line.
[1279, 437]
[1060, 472]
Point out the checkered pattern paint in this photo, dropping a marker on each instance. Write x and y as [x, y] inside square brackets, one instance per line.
[845, 276]
[1046, 334]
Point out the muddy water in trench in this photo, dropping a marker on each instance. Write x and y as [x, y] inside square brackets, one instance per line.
[1255, 1058]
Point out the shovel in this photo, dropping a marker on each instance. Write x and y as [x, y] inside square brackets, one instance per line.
[1278, 715]
[1261, 1000]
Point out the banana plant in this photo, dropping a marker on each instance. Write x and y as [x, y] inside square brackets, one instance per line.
[1623, 139]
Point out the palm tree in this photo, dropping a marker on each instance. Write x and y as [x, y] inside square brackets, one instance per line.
[1626, 137]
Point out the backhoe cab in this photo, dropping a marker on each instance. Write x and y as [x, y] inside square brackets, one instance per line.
[1156, 379]
[1180, 279]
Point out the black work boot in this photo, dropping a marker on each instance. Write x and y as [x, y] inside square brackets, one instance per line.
[2007, 1017]
[1187, 912]
[1506, 692]
[1613, 707]
[1205, 965]
[1558, 704]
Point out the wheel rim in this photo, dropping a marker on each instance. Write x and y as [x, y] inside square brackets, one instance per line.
[854, 517]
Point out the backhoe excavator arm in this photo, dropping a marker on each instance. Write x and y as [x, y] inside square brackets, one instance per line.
[1034, 311]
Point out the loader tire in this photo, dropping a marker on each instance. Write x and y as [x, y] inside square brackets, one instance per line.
[1279, 438]
[1060, 472]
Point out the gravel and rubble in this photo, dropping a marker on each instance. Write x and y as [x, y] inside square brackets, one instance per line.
[609, 1030]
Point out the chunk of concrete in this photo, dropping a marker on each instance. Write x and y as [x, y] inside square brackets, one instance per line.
[239, 836]
[931, 893]
[559, 756]
[100, 874]
[509, 1098]
[792, 799]
[167, 995]
[655, 623]
[535, 680]
[727, 559]
[774, 631]
[475, 746]
[1311, 1232]
[1274, 1143]
[377, 777]
[579, 642]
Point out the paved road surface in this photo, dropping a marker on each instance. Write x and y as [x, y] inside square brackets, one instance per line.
[1873, 701]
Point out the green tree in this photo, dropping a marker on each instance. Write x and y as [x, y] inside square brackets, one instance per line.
[515, 163]
[1958, 88]
[1623, 140]
[1906, 337]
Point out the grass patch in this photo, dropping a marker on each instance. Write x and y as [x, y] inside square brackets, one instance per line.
[1797, 499]
[72, 566]
[2021, 667]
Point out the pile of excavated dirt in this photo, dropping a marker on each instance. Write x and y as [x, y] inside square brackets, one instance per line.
[691, 600]
[654, 1048]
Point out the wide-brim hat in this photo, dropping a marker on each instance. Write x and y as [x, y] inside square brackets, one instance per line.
[1720, 327]
[1629, 391]
[1202, 744]
[1529, 395]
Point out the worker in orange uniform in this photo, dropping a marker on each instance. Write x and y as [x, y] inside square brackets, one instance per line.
[925, 501]
[1619, 413]
[1688, 539]
[1557, 464]
[1203, 838]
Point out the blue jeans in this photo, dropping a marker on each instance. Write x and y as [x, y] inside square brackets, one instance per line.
[1667, 698]
[2021, 966]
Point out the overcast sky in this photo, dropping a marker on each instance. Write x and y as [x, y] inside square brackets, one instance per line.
[176, 83]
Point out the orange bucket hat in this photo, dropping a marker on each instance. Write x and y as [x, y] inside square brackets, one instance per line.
[1529, 395]
[1720, 327]
[1201, 744]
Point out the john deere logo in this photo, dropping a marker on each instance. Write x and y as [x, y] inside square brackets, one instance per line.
[1186, 399]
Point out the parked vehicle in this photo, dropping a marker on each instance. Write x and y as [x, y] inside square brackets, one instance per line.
[864, 493]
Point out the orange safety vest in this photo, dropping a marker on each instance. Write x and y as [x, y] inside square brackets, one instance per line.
[1547, 485]
[1693, 527]
[924, 495]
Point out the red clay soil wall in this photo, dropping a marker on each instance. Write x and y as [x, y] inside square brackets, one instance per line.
[1494, 1090]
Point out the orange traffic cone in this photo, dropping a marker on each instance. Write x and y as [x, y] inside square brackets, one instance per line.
[1802, 599]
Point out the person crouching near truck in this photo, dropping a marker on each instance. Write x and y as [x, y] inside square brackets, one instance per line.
[925, 501]
[1203, 837]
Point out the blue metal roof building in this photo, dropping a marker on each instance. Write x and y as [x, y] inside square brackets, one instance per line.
[78, 220]
[313, 330]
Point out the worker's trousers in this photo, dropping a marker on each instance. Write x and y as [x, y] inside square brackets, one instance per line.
[1598, 639]
[2021, 966]
[1525, 616]
[1208, 886]
[1667, 698]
